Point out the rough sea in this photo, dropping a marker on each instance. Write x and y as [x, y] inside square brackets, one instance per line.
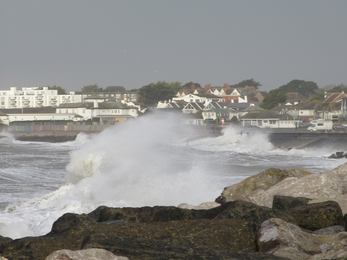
[150, 161]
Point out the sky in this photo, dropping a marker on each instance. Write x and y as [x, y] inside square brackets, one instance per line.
[133, 43]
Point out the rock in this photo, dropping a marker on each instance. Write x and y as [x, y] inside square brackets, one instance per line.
[225, 232]
[310, 216]
[261, 181]
[340, 254]
[205, 205]
[87, 254]
[3, 242]
[287, 203]
[251, 213]
[329, 230]
[284, 239]
[142, 214]
[341, 201]
[311, 186]
[329, 184]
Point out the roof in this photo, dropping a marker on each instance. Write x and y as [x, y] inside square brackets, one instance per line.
[307, 106]
[74, 105]
[286, 116]
[31, 110]
[252, 109]
[240, 106]
[265, 114]
[334, 97]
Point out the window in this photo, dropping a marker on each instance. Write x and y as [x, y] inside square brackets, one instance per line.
[272, 122]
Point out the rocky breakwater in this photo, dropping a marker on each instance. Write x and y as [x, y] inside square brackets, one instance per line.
[276, 214]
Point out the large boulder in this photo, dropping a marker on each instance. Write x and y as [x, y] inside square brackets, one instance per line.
[330, 185]
[259, 182]
[310, 216]
[284, 239]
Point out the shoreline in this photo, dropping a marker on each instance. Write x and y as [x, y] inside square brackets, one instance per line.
[292, 138]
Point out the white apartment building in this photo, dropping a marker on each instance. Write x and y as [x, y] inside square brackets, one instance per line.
[35, 97]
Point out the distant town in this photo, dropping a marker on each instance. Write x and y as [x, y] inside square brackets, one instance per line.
[40, 109]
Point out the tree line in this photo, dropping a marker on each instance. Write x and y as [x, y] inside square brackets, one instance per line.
[152, 93]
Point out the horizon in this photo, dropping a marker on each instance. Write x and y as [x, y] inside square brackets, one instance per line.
[72, 44]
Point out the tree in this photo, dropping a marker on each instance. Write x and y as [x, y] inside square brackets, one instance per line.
[189, 84]
[273, 99]
[154, 92]
[318, 96]
[91, 88]
[61, 91]
[306, 88]
[247, 82]
[338, 88]
[115, 89]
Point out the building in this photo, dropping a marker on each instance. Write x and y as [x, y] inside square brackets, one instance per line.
[118, 96]
[34, 97]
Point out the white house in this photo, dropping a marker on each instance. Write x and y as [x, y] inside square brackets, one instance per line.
[81, 109]
[114, 111]
[43, 117]
[268, 119]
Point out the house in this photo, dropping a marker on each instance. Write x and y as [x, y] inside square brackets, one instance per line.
[262, 119]
[219, 114]
[268, 119]
[294, 98]
[250, 109]
[332, 107]
[112, 111]
[306, 111]
[198, 98]
[43, 117]
[82, 109]
[174, 105]
[193, 119]
[193, 107]
[256, 96]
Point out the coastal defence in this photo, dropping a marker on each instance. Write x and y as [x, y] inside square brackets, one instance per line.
[300, 139]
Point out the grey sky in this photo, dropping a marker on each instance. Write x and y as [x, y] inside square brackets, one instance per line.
[132, 43]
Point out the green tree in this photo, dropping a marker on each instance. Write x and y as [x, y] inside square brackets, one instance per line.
[189, 84]
[61, 91]
[306, 88]
[247, 82]
[91, 88]
[115, 89]
[338, 88]
[273, 99]
[154, 92]
[318, 96]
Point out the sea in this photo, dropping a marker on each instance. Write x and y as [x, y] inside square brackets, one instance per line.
[152, 160]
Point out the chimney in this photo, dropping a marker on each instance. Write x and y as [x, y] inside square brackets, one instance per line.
[225, 86]
[208, 87]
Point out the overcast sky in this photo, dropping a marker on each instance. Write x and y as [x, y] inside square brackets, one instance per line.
[132, 43]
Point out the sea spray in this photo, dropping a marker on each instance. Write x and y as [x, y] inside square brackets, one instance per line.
[142, 162]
